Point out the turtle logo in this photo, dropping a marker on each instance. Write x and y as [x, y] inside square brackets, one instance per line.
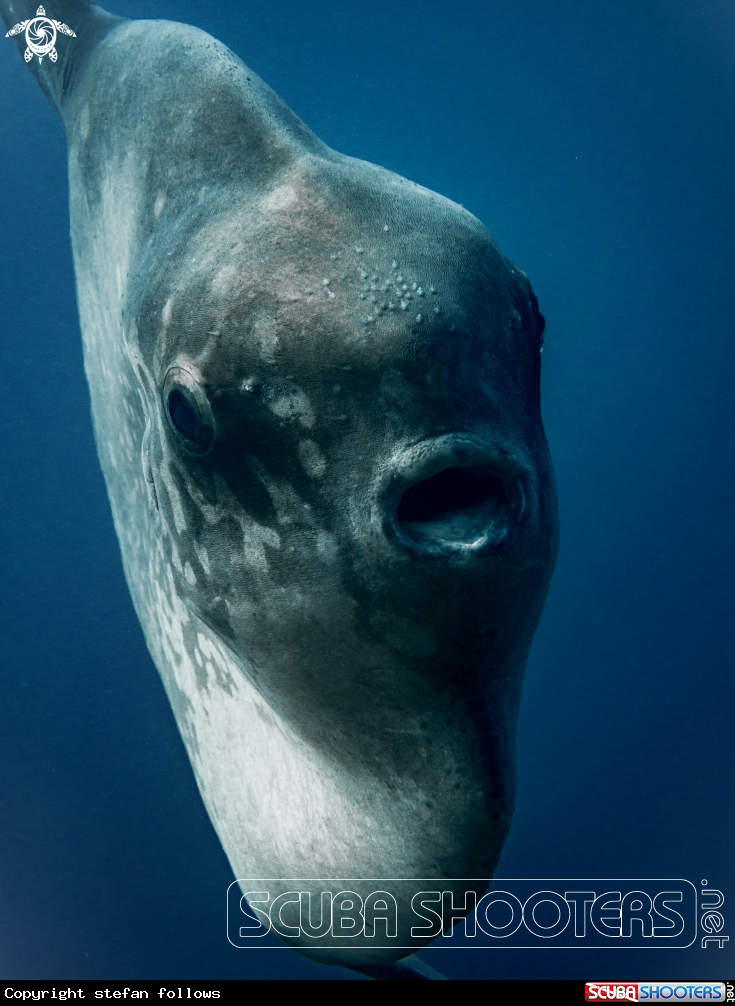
[40, 35]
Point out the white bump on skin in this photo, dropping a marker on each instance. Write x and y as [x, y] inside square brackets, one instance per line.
[294, 405]
[159, 204]
[312, 460]
[189, 574]
[166, 313]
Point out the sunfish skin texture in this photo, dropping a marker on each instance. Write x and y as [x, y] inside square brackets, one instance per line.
[282, 343]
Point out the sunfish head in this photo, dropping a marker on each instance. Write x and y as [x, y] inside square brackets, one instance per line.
[353, 494]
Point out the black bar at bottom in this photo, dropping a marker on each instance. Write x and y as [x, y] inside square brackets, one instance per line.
[52, 993]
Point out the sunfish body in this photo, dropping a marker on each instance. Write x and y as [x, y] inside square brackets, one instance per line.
[315, 393]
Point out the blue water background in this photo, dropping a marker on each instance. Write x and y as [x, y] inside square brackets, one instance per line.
[596, 141]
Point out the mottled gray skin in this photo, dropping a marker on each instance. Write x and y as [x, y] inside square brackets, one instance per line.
[346, 683]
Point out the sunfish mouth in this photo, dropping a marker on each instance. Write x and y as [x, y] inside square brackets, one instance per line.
[454, 497]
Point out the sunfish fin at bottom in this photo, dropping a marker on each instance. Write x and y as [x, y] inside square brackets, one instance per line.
[410, 969]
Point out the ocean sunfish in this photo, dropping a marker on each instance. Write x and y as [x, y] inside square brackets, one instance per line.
[315, 394]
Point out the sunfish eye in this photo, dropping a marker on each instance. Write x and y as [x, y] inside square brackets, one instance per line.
[188, 411]
[182, 415]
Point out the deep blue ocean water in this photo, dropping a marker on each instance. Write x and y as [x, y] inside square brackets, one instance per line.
[596, 140]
